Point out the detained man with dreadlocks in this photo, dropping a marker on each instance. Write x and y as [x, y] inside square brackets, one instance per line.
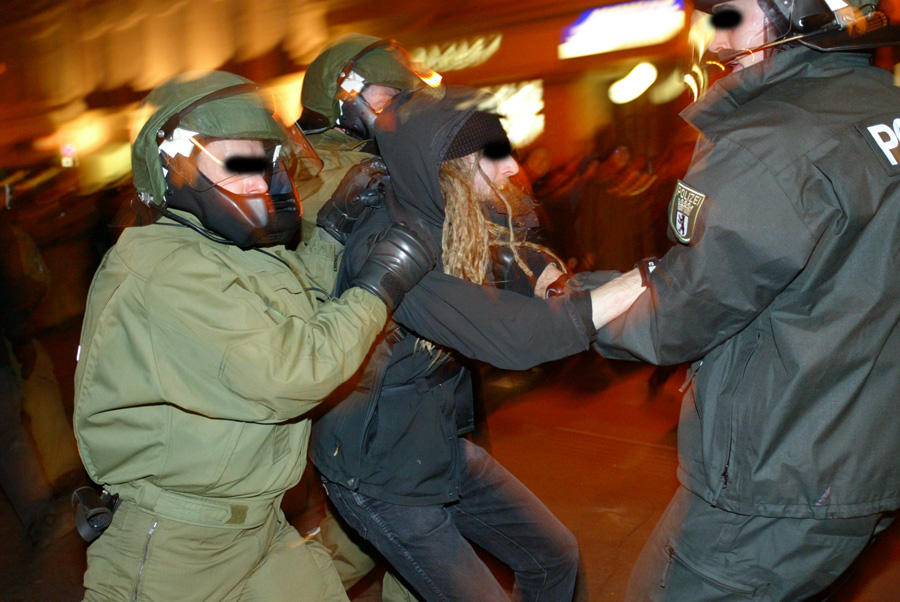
[392, 453]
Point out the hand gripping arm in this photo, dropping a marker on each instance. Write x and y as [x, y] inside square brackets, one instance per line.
[396, 263]
[363, 186]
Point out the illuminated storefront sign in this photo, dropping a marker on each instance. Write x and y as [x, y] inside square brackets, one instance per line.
[520, 106]
[461, 54]
[621, 26]
[633, 85]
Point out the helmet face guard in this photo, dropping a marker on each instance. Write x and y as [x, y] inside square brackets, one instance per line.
[225, 157]
[264, 212]
[357, 115]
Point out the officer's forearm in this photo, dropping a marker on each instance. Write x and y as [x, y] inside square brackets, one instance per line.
[613, 298]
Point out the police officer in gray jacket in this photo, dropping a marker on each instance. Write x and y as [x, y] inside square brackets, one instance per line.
[783, 293]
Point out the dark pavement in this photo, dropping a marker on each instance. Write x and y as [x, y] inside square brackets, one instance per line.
[591, 438]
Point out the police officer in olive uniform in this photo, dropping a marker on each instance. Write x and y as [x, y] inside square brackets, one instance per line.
[344, 89]
[783, 293]
[205, 343]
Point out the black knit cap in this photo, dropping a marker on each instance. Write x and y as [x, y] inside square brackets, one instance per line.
[481, 131]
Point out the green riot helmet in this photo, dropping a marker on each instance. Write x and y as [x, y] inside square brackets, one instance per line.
[213, 147]
[335, 83]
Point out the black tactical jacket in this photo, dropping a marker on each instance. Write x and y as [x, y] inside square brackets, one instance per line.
[394, 435]
[786, 296]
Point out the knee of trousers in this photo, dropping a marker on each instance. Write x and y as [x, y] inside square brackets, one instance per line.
[563, 553]
[570, 552]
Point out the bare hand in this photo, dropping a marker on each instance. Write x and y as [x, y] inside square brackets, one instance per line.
[613, 298]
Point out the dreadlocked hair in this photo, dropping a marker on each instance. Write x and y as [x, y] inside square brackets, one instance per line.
[465, 239]
[467, 234]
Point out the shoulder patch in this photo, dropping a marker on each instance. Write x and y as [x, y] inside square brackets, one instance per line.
[683, 211]
[883, 135]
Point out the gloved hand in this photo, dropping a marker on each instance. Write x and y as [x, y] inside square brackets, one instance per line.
[363, 186]
[396, 263]
[507, 273]
[557, 288]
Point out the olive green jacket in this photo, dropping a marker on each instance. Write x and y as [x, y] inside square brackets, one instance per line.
[198, 361]
[339, 152]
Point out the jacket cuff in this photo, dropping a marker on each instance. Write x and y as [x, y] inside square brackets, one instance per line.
[581, 300]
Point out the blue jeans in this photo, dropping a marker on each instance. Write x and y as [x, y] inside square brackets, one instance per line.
[429, 545]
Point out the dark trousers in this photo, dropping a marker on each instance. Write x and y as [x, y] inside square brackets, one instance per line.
[429, 545]
[703, 554]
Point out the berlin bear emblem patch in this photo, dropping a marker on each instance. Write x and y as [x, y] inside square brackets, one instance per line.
[683, 211]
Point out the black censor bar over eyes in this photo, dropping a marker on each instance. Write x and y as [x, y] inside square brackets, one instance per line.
[246, 165]
[727, 19]
[497, 150]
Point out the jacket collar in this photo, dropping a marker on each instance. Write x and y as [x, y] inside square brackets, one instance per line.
[334, 139]
[738, 89]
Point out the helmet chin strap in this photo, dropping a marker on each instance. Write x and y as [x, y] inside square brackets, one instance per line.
[164, 211]
[728, 58]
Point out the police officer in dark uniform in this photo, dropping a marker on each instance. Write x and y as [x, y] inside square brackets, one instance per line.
[782, 292]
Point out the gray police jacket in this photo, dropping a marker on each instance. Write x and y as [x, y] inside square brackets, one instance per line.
[785, 292]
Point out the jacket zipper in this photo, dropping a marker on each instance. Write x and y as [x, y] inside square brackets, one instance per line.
[724, 475]
[137, 585]
[689, 377]
[670, 558]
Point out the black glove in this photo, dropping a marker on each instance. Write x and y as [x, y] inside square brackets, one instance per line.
[507, 273]
[557, 288]
[396, 263]
[363, 186]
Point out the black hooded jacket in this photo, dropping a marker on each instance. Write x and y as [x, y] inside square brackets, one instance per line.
[393, 436]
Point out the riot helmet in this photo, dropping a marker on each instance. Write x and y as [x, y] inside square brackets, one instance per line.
[341, 84]
[826, 25]
[213, 147]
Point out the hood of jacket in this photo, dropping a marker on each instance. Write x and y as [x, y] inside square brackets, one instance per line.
[413, 133]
